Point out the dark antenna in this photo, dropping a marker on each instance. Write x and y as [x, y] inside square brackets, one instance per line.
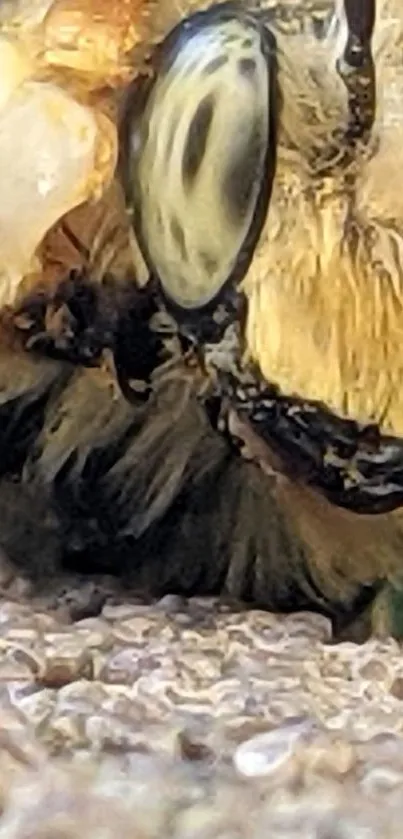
[357, 70]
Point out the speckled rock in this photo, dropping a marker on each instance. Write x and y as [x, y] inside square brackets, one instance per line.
[192, 719]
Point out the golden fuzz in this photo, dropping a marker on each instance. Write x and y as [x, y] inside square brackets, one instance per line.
[326, 316]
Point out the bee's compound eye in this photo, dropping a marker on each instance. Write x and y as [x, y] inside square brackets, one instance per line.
[200, 154]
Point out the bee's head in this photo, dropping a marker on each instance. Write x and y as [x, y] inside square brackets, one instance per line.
[254, 162]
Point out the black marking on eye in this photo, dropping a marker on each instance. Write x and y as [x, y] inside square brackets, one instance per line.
[208, 262]
[196, 141]
[215, 64]
[179, 237]
[247, 68]
[247, 43]
[243, 173]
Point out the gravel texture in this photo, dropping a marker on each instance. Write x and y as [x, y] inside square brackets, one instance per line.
[191, 719]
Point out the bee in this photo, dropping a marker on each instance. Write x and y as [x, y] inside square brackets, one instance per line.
[255, 156]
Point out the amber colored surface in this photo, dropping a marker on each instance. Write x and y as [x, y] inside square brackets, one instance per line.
[95, 37]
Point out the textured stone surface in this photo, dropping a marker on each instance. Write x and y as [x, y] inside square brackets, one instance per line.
[192, 718]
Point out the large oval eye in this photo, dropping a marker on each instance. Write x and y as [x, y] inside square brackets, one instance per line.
[198, 153]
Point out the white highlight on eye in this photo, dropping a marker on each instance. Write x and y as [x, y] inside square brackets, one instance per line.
[337, 35]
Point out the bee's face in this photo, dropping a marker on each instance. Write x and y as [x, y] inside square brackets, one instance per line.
[244, 162]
